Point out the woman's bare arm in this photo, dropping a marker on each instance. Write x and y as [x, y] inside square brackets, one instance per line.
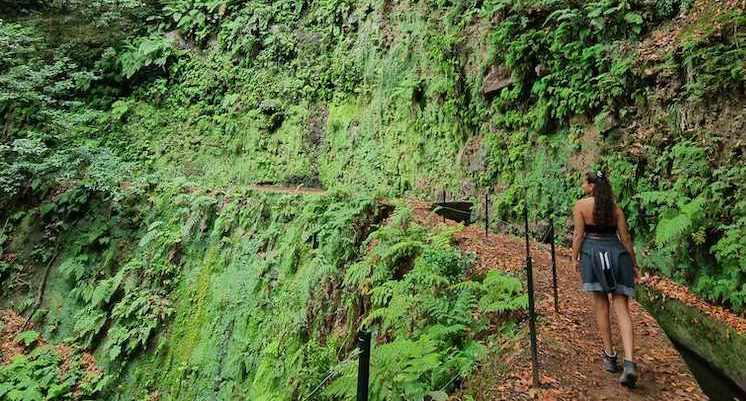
[621, 223]
[577, 239]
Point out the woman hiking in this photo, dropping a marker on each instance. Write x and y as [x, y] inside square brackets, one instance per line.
[604, 255]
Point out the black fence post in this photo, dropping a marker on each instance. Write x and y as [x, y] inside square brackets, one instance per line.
[554, 263]
[444, 201]
[363, 367]
[486, 213]
[531, 311]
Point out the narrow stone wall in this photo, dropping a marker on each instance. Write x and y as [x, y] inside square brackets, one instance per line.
[717, 343]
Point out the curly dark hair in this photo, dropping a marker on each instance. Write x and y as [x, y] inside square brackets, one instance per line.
[603, 205]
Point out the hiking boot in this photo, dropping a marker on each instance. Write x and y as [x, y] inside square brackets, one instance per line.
[629, 375]
[610, 362]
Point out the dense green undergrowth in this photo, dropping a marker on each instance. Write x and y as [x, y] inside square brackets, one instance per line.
[129, 131]
[196, 295]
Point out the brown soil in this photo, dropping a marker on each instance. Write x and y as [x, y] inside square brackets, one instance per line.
[662, 41]
[12, 323]
[568, 343]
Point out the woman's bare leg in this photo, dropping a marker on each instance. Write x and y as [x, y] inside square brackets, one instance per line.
[601, 308]
[621, 309]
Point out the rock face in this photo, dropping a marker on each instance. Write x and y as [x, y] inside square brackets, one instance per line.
[605, 122]
[473, 156]
[498, 77]
[178, 39]
[590, 144]
[316, 127]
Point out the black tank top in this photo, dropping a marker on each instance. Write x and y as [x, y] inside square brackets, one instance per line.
[600, 229]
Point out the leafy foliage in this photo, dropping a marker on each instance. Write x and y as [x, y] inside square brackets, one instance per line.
[153, 51]
[694, 235]
[130, 152]
[577, 44]
[426, 309]
[44, 375]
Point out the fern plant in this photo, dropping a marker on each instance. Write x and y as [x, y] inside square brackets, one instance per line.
[425, 310]
[680, 222]
[153, 51]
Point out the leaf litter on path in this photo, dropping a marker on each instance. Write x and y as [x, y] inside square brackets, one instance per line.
[569, 346]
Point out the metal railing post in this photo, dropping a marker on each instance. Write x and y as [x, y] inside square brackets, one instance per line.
[531, 311]
[363, 368]
[554, 264]
[444, 201]
[486, 213]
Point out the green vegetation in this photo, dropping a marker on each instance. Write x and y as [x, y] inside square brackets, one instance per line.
[131, 130]
[264, 295]
[44, 375]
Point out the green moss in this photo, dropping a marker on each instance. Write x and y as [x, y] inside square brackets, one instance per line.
[26, 235]
[242, 298]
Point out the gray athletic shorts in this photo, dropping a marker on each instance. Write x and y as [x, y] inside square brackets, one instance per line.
[606, 266]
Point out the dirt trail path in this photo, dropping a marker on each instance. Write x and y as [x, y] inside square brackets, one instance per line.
[568, 343]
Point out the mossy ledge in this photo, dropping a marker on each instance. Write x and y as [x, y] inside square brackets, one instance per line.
[714, 341]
